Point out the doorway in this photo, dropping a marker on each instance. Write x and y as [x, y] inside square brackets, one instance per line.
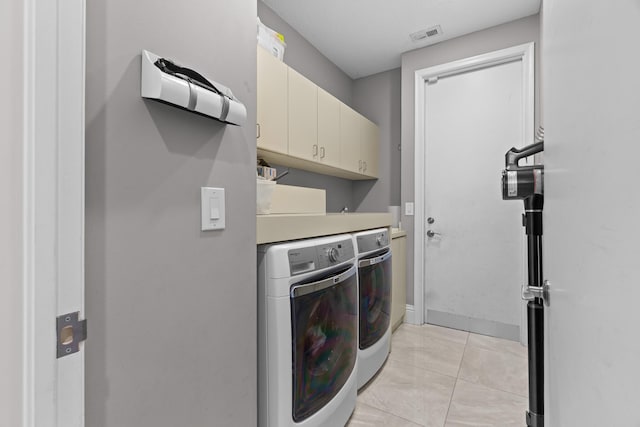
[469, 246]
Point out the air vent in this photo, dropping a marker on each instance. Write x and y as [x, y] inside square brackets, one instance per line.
[425, 34]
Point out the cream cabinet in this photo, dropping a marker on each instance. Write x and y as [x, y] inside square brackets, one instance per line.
[359, 143]
[398, 278]
[302, 126]
[328, 129]
[350, 125]
[369, 147]
[302, 117]
[271, 103]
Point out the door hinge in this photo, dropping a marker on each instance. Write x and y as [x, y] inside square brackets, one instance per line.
[71, 332]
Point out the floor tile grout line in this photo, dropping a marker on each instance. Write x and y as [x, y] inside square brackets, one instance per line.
[453, 391]
[466, 341]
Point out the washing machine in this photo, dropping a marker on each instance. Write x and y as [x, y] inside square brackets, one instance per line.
[373, 257]
[307, 332]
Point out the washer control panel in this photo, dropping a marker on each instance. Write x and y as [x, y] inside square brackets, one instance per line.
[335, 253]
[311, 258]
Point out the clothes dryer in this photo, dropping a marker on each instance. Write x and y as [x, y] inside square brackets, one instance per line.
[373, 257]
[307, 332]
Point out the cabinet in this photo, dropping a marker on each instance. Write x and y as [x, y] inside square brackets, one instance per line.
[328, 128]
[398, 278]
[271, 103]
[302, 117]
[359, 143]
[369, 147]
[302, 126]
[350, 139]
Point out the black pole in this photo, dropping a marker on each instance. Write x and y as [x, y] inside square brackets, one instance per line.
[535, 312]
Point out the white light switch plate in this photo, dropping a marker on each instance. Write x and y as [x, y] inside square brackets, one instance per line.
[408, 208]
[212, 208]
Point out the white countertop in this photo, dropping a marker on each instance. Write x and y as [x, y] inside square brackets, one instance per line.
[279, 228]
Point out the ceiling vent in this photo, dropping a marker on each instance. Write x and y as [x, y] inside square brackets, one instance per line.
[426, 34]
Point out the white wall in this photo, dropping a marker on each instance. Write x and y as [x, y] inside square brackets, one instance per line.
[11, 213]
[592, 208]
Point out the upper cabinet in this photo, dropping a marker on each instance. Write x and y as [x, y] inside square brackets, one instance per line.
[271, 103]
[302, 126]
[303, 117]
[359, 143]
[328, 129]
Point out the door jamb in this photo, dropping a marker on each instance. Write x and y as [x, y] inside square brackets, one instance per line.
[53, 208]
[524, 53]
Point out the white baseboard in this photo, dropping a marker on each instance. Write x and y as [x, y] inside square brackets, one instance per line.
[410, 315]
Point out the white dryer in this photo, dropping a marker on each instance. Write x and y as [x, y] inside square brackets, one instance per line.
[373, 257]
[307, 332]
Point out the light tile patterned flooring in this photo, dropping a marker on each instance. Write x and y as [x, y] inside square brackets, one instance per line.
[446, 378]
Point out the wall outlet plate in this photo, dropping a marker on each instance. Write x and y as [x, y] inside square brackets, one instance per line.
[408, 208]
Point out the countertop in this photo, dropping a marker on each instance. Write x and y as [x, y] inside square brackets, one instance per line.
[279, 228]
[396, 232]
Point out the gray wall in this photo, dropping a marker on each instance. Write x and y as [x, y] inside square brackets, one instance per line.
[513, 33]
[591, 212]
[306, 59]
[171, 309]
[11, 80]
[378, 98]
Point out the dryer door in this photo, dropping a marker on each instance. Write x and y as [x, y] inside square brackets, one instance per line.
[324, 334]
[374, 275]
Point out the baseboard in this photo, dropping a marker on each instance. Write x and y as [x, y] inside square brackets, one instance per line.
[410, 315]
[471, 324]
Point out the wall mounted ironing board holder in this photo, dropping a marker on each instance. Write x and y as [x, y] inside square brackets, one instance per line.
[165, 81]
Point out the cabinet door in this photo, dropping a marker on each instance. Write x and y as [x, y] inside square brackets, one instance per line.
[328, 129]
[271, 102]
[350, 140]
[369, 147]
[303, 117]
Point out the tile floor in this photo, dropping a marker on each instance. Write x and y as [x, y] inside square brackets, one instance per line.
[446, 378]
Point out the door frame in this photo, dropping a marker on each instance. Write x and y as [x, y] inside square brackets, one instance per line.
[524, 53]
[53, 208]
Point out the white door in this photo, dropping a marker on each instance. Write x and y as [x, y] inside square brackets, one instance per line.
[591, 213]
[53, 211]
[474, 263]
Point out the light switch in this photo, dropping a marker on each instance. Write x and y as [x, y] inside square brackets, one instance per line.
[212, 208]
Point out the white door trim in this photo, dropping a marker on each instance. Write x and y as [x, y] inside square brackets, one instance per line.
[524, 53]
[53, 208]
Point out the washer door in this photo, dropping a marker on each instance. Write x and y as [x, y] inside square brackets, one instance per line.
[374, 275]
[323, 328]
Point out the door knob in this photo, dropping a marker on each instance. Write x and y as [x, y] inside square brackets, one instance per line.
[430, 220]
[431, 233]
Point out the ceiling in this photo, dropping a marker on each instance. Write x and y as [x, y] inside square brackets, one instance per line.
[365, 37]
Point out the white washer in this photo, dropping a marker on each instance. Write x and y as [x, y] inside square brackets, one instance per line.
[307, 332]
[373, 257]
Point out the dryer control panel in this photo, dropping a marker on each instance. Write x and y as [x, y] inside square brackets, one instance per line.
[372, 241]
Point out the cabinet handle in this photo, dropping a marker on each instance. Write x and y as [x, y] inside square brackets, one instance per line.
[364, 169]
[322, 152]
[360, 165]
[315, 150]
[258, 130]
